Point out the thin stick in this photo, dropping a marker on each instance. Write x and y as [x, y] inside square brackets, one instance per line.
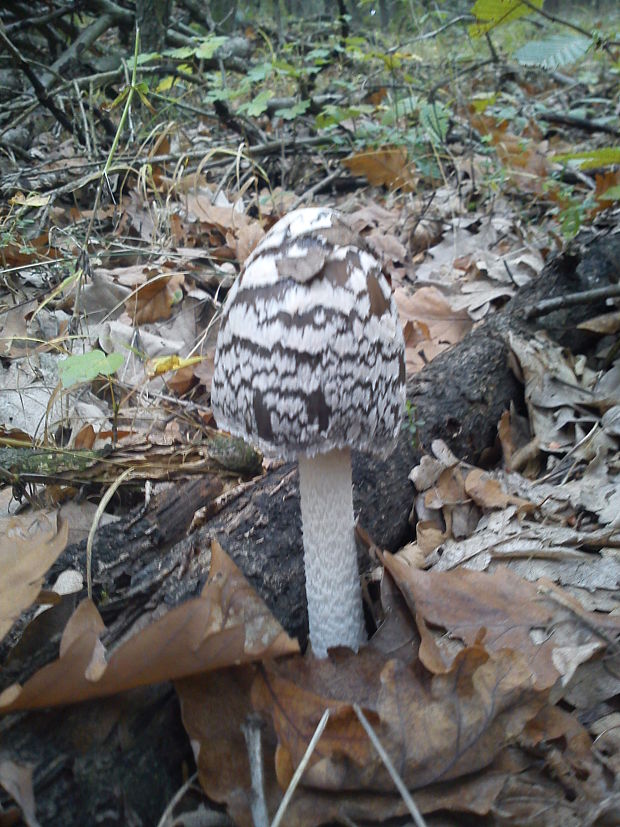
[300, 769]
[91, 534]
[319, 186]
[252, 733]
[416, 815]
[545, 306]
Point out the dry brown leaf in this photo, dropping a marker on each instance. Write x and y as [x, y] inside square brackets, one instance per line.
[448, 496]
[430, 324]
[85, 438]
[585, 782]
[524, 159]
[429, 536]
[153, 301]
[397, 635]
[14, 335]
[28, 547]
[500, 608]
[488, 493]
[214, 708]
[425, 233]
[221, 219]
[605, 324]
[225, 776]
[181, 380]
[227, 624]
[246, 238]
[436, 729]
[205, 369]
[388, 167]
[448, 490]
[604, 182]
[431, 307]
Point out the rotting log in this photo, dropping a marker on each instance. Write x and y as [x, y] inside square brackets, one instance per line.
[123, 756]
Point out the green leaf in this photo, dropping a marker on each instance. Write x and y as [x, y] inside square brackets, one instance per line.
[593, 158]
[612, 194]
[120, 98]
[492, 13]
[286, 68]
[259, 72]
[570, 221]
[219, 94]
[182, 53]
[435, 120]
[256, 107]
[332, 115]
[146, 57]
[292, 112]
[482, 101]
[165, 84]
[87, 366]
[553, 52]
[318, 55]
[209, 46]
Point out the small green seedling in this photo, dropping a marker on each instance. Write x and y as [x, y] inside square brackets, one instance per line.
[85, 367]
[412, 424]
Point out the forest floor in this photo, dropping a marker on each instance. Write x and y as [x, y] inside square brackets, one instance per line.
[141, 546]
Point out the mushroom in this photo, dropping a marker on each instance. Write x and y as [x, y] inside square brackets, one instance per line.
[309, 364]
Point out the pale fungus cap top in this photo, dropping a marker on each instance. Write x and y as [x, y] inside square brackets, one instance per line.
[310, 352]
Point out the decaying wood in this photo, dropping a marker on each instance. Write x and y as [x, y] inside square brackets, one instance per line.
[131, 764]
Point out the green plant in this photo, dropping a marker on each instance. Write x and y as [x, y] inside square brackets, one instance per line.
[412, 423]
[84, 367]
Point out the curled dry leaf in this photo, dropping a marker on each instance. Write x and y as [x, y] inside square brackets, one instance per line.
[227, 624]
[248, 236]
[224, 773]
[153, 300]
[430, 324]
[28, 547]
[436, 728]
[487, 492]
[499, 608]
[387, 166]
[457, 730]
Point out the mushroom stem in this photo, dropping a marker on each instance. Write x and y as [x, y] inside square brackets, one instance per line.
[333, 590]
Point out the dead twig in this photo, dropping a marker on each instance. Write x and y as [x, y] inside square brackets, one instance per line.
[545, 306]
[39, 90]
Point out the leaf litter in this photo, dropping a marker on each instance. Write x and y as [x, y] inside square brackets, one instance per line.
[462, 681]
[504, 606]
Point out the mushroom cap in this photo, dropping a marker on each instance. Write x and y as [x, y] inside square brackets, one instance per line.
[310, 352]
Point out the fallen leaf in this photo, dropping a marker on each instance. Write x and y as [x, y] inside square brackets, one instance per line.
[28, 547]
[228, 624]
[388, 167]
[435, 729]
[500, 607]
[488, 493]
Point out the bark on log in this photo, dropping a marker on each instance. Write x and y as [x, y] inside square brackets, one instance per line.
[122, 756]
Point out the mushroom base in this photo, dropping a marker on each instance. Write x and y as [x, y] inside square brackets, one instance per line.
[333, 590]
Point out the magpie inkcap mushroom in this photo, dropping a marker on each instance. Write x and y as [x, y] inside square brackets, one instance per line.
[309, 364]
